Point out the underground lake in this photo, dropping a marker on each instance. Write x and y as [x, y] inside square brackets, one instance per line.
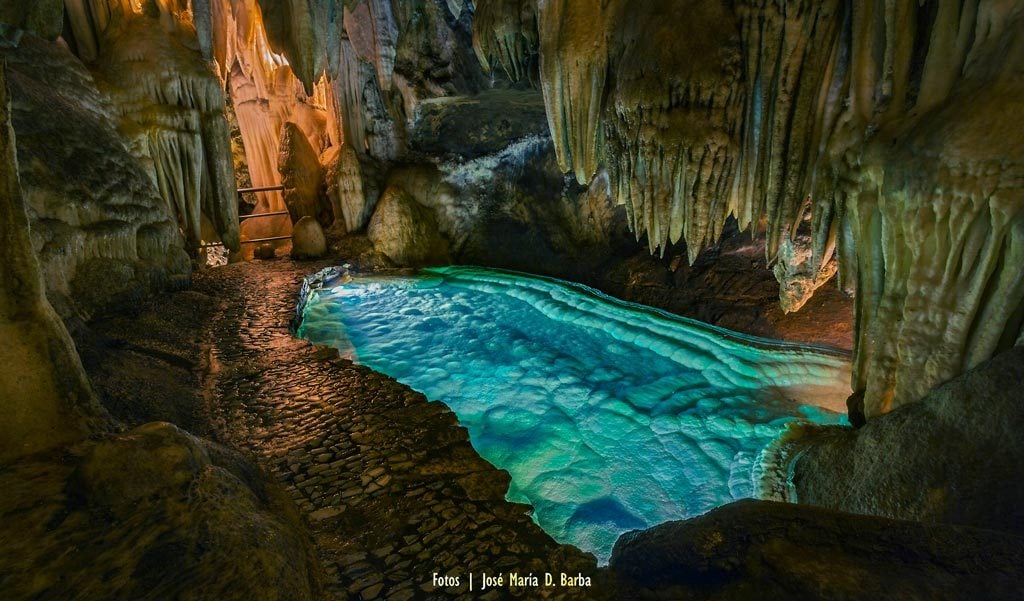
[609, 416]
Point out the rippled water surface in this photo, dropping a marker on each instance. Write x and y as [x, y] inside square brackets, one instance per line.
[609, 416]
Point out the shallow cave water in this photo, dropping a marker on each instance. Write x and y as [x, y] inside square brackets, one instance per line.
[609, 416]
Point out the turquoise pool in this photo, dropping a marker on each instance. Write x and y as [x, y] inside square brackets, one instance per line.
[609, 416]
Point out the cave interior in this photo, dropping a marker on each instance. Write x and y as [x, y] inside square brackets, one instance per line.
[583, 299]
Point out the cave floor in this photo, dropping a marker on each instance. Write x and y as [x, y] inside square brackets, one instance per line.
[388, 483]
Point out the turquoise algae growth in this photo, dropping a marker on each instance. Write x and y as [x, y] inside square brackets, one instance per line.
[609, 416]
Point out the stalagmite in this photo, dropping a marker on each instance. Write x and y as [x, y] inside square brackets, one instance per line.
[350, 188]
[302, 177]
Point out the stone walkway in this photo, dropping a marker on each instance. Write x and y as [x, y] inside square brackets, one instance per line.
[388, 482]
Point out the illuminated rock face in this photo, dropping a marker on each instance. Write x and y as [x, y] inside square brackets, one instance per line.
[505, 34]
[303, 177]
[857, 134]
[350, 188]
[406, 231]
[939, 460]
[771, 111]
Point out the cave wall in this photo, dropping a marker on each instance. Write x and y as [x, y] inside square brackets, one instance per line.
[99, 227]
[827, 125]
[818, 123]
[47, 399]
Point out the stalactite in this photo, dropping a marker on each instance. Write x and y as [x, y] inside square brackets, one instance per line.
[202, 19]
[266, 94]
[505, 32]
[373, 33]
[790, 68]
[691, 135]
[672, 123]
[741, 131]
[347, 88]
[298, 30]
[574, 66]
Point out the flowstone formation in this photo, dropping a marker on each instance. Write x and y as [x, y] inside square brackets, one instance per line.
[88, 511]
[970, 478]
[170, 107]
[887, 123]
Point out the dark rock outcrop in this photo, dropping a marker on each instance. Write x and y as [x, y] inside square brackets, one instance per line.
[954, 457]
[152, 513]
[47, 401]
[763, 550]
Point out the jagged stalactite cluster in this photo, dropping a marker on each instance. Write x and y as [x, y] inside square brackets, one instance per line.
[782, 114]
[671, 162]
[718, 115]
[266, 95]
[796, 117]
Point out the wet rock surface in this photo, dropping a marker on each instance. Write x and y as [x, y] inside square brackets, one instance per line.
[151, 513]
[731, 286]
[472, 126]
